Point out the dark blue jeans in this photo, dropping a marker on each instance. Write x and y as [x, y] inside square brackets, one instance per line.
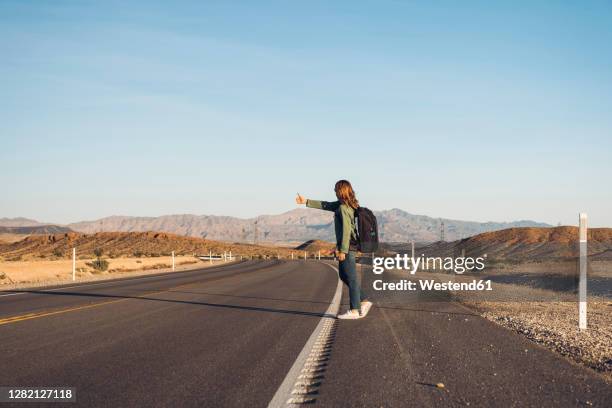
[348, 275]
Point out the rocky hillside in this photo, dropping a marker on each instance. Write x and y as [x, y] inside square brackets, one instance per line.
[116, 244]
[532, 244]
[296, 225]
[9, 234]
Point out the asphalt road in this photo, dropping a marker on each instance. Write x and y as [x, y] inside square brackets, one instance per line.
[227, 336]
[214, 337]
[410, 342]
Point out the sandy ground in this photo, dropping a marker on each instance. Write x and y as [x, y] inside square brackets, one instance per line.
[42, 273]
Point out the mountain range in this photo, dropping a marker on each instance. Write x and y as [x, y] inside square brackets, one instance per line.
[35, 230]
[297, 225]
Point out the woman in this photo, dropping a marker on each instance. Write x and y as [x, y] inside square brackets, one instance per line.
[346, 236]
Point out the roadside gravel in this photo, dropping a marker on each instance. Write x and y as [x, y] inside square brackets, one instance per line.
[555, 325]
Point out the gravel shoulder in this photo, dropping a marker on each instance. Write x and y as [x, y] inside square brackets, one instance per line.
[546, 317]
[554, 325]
[550, 319]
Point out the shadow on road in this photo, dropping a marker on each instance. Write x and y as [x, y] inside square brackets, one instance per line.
[249, 297]
[187, 302]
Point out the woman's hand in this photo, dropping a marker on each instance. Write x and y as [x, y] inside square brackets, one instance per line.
[340, 255]
[299, 199]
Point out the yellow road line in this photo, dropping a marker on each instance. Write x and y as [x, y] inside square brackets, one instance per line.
[29, 316]
[19, 318]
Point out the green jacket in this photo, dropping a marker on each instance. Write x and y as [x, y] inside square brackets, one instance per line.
[344, 222]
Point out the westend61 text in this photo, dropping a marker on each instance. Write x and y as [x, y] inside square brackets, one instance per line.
[430, 284]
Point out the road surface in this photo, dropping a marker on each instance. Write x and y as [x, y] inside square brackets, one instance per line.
[228, 336]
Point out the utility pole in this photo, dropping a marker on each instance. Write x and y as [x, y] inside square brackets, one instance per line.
[255, 233]
[441, 230]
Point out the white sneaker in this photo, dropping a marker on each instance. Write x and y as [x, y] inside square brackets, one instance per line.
[351, 314]
[366, 305]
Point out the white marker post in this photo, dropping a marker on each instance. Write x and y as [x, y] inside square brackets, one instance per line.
[305, 255]
[319, 255]
[582, 283]
[292, 255]
[73, 264]
[412, 244]
[230, 256]
[173, 261]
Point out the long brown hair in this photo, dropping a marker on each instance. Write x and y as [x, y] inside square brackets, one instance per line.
[346, 194]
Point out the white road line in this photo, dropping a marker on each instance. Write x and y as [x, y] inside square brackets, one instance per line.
[107, 282]
[12, 294]
[283, 394]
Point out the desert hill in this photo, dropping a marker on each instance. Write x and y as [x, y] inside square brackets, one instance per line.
[117, 244]
[9, 234]
[315, 245]
[521, 244]
[297, 225]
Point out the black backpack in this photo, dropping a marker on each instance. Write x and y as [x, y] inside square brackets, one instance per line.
[367, 230]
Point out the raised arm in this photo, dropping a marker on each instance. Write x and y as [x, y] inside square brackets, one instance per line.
[321, 205]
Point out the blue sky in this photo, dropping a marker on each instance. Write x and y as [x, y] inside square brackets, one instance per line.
[468, 110]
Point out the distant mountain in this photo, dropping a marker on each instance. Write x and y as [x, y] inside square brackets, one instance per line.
[18, 222]
[398, 225]
[36, 229]
[297, 225]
